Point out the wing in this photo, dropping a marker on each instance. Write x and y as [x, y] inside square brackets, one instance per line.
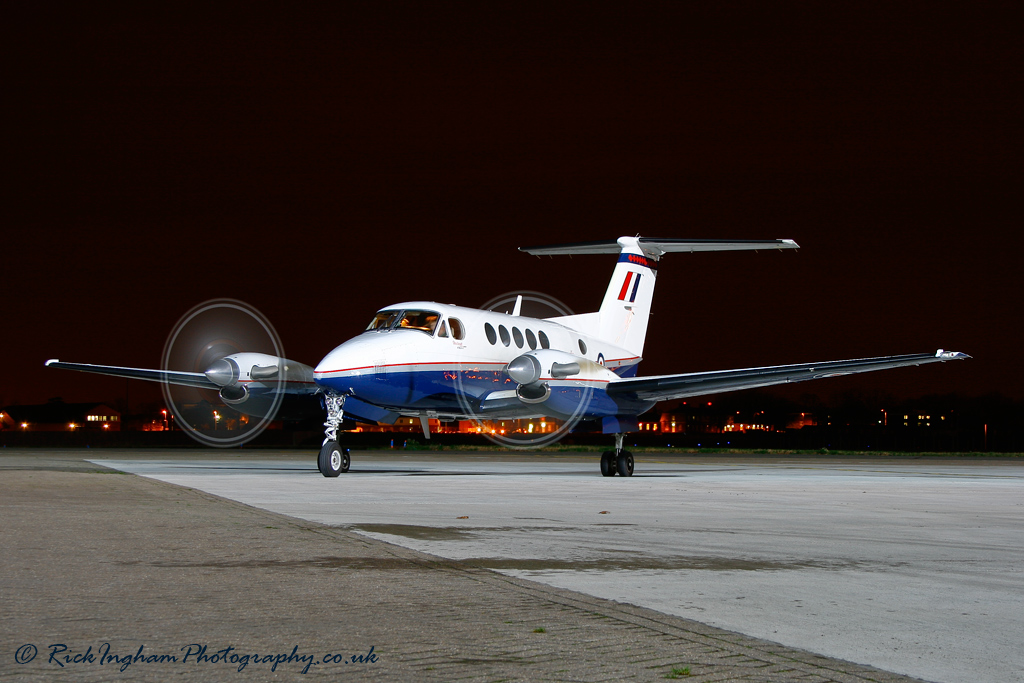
[663, 387]
[188, 379]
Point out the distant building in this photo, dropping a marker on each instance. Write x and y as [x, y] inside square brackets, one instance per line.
[801, 420]
[693, 417]
[496, 427]
[733, 424]
[922, 418]
[57, 416]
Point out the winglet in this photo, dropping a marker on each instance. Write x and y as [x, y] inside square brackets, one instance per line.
[950, 355]
[51, 361]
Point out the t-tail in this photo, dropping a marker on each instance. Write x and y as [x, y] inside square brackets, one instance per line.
[626, 307]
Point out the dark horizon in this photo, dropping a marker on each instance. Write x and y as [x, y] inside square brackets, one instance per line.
[323, 167]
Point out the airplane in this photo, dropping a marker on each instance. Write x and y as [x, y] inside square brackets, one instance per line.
[429, 360]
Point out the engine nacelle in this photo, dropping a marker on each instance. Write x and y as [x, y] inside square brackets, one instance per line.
[535, 371]
[234, 394]
[253, 383]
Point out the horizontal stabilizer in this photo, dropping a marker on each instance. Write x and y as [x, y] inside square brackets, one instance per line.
[655, 246]
[665, 387]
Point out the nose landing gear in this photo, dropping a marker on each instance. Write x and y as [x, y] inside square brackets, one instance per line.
[333, 459]
[618, 461]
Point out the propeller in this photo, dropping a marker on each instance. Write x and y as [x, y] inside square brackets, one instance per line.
[526, 371]
[238, 350]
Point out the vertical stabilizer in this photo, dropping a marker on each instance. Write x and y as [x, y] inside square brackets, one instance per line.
[626, 307]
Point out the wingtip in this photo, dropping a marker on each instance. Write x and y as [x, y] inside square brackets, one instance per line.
[942, 354]
[52, 361]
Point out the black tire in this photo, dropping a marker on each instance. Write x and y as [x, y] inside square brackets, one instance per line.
[608, 464]
[333, 459]
[625, 464]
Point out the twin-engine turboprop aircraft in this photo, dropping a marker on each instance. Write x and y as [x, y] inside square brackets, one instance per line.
[430, 360]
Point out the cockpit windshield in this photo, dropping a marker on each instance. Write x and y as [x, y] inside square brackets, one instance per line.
[384, 320]
[424, 321]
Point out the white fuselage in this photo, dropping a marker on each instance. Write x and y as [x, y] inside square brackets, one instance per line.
[449, 360]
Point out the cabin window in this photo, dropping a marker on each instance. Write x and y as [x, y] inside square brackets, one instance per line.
[442, 330]
[531, 339]
[583, 347]
[544, 343]
[457, 330]
[489, 331]
[503, 333]
[517, 337]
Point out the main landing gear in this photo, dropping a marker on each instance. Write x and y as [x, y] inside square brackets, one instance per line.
[333, 459]
[619, 460]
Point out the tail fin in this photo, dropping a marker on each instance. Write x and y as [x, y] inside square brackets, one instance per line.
[626, 307]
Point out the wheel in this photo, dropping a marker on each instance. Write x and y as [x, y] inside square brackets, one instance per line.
[625, 464]
[333, 459]
[608, 464]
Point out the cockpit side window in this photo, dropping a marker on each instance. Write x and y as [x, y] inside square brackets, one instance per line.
[442, 330]
[384, 320]
[424, 321]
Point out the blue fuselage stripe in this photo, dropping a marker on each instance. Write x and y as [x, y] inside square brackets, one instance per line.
[461, 391]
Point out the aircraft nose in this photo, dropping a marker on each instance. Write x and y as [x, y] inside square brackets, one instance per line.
[353, 367]
[344, 367]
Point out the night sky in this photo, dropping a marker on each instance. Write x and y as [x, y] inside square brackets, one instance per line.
[321, 167]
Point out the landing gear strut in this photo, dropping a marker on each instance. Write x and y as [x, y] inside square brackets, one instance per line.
[619, 460]
[333, 459]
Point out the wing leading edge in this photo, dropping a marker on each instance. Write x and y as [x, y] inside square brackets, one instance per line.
[188, 379]
[665, 387]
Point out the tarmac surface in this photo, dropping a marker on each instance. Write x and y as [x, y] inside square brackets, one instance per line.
[907, 565]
